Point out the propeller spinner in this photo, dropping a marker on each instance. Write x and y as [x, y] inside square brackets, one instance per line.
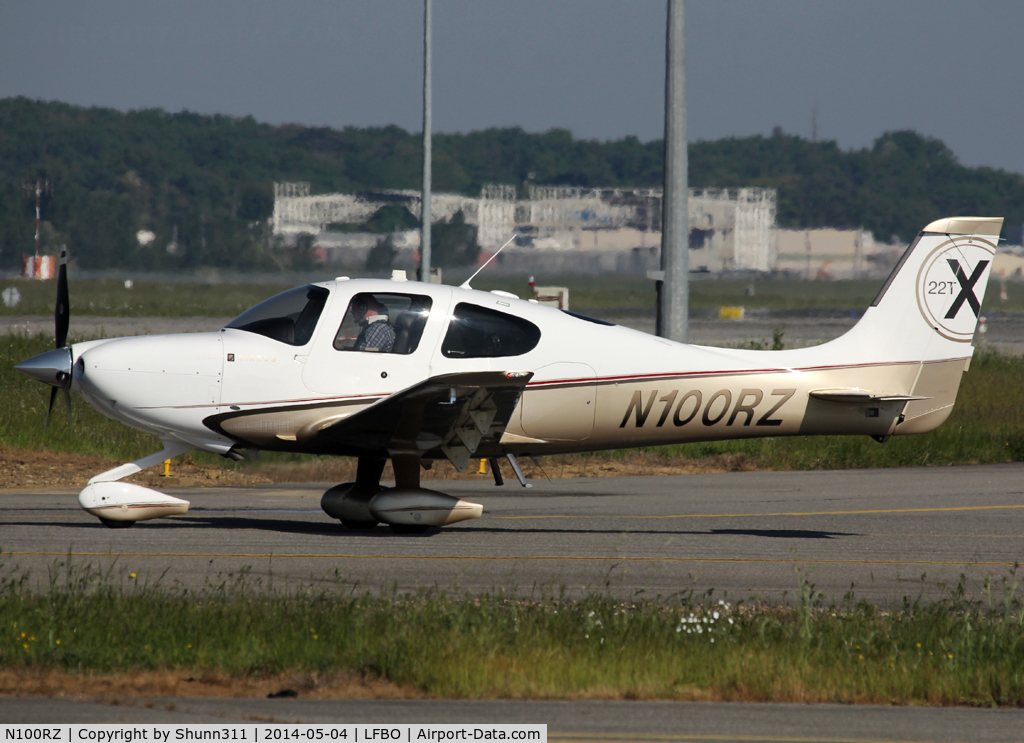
[54, 367]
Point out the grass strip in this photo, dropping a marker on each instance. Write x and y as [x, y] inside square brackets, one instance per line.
[953, 651]
[606, 294]
[111, 298]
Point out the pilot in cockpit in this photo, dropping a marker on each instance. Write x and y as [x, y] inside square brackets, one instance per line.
[376, 334]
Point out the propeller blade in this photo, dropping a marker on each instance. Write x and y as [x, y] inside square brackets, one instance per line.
[49, 409]
[62, 311]
[67, 399]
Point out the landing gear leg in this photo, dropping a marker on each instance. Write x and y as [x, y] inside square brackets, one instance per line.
[519, 472]
[496, 471]
[407, 477]
[349, 502]
[171, 449]
[368, 472]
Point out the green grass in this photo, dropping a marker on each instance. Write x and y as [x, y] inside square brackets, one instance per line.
[605, 294]
[954, 651]
[608, 293]
[110, 298]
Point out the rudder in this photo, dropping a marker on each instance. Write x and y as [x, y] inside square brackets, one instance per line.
[928, 308]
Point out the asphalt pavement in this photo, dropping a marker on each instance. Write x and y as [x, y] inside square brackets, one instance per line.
[567, 721]
[877, 535]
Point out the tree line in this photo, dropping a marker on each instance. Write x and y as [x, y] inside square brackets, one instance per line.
[204, 184]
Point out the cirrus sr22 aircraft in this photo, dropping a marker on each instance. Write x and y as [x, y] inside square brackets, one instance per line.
[416, 372]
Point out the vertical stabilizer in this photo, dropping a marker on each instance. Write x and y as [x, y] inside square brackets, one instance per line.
[928, 308]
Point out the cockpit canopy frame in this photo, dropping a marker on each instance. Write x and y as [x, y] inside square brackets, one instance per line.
[289, 317]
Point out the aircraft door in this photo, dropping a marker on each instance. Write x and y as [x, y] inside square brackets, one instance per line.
[381, 342]
[560, 402]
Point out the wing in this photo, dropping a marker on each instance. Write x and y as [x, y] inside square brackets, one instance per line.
[451, 415]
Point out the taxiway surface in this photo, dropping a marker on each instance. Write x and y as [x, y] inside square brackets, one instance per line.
[879, 535]
[567, 721]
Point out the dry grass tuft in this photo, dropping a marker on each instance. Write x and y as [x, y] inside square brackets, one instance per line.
[34, 682]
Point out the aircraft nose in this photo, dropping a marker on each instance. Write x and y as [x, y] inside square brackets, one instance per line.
[52, 368]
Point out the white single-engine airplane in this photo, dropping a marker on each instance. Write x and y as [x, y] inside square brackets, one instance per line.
[416, 372]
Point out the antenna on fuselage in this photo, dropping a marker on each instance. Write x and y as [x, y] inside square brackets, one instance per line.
[465, 284]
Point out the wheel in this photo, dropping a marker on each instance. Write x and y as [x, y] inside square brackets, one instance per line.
[408, 528]
[111, 524]
[358, 525]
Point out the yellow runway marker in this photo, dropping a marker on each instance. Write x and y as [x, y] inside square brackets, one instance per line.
[781, 513]
[509, 558]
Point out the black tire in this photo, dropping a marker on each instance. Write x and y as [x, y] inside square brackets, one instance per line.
[111, 524]
[358, 525]
[408, 528]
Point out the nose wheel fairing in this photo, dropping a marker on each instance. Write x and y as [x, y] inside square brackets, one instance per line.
[117, 503]
[126, 502]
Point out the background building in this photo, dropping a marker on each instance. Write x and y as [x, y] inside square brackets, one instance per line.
[557, 228]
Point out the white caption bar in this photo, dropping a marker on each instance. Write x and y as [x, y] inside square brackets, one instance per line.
[267, 733]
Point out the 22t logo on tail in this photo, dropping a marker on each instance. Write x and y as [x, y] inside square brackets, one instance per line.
[948, 285]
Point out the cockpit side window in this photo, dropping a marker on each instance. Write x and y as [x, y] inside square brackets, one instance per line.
[289, 317]
[478, 332]
[378, 322]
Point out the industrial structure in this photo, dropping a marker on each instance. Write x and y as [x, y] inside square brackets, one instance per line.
[603, 228]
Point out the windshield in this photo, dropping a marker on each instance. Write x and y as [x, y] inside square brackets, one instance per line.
[289, 317]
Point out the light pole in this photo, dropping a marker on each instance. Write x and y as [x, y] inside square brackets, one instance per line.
[673, 288]
[425, 199]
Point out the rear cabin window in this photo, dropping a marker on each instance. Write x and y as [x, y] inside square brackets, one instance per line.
[477, 332]
[376, 322]
[289, 317]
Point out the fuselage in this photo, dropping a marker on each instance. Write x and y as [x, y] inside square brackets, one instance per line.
[265, 384]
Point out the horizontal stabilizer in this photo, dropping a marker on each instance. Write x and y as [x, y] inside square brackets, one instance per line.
[857, 395]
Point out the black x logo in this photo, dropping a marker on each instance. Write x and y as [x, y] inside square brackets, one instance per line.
[966, 288]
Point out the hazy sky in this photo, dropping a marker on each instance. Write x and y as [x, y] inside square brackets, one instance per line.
[953, 70]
